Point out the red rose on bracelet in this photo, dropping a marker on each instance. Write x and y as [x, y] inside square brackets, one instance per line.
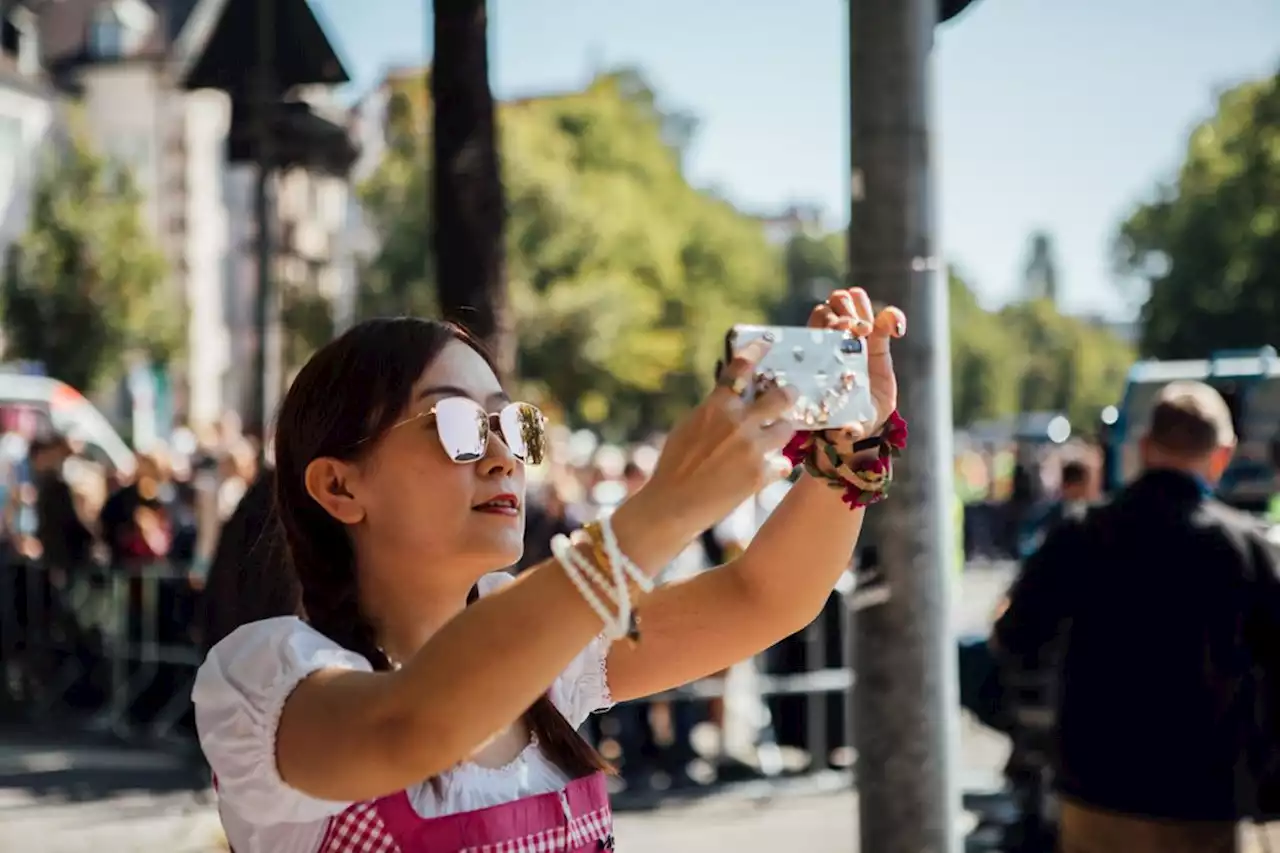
[894, 432]
[798, 448]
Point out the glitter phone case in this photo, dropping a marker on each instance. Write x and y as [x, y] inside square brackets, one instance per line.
[828, 368]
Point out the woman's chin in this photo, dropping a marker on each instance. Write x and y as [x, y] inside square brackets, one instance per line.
[500, 548]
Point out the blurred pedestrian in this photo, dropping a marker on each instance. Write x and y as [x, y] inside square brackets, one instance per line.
[1162, 607]
[66, 543]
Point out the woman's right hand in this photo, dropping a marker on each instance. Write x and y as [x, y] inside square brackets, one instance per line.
[720, 454]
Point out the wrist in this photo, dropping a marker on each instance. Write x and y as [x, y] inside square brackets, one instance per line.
[649, 531]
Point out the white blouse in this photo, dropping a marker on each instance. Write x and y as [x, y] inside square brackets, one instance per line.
[240, 692]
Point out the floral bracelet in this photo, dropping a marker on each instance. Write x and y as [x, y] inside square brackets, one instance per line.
[862, 481]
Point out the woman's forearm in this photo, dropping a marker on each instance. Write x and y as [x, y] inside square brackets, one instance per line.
[508, 647]
[350, 736]
[796, 558]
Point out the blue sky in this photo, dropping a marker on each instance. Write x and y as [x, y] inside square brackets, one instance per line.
[1053, 114]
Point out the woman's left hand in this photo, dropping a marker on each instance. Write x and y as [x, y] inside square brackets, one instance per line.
[851, 310]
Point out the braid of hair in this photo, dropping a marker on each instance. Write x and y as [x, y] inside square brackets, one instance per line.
[330, 596]
[559, 741]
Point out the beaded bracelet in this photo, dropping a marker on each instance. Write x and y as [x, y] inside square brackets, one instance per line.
[862, 481]
[600, 537]
[607, 563]
[580, 571]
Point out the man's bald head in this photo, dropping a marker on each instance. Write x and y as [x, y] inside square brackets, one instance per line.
[1190, 427]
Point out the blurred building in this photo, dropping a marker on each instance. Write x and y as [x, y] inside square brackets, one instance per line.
[27, 109]
[312, 258]
[117, 60]
[367, 123]
[111, 57]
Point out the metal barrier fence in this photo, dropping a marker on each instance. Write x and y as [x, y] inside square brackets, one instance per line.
[109, 649]
[114, 650]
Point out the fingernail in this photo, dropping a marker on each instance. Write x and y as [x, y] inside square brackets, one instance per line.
[862, 328]
[899, 323]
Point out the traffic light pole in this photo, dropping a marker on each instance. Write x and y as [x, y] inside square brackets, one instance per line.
[904, 702]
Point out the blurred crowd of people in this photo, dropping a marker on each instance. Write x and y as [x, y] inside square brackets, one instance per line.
[78, 521]
[73, 514]
[81, 523]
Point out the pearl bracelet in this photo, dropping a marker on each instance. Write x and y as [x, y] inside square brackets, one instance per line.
[580, 570]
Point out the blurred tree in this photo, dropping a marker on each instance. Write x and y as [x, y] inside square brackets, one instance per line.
[1067, 364]
[86, 283]
[1025, 357]
[395, 200]
[306, 317]
[623, 279]
[467, 195]
[814, 267]
[984, 359]
[1209, 243]
[1040, 276]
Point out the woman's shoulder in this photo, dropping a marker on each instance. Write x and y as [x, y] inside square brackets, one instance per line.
[267, 652]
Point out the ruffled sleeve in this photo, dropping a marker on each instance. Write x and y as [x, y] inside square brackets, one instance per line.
[583, 688]
[240, 691]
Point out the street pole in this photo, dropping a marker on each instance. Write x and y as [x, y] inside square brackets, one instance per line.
[904, 702]
[264, 98]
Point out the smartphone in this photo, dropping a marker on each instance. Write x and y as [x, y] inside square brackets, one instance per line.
[828, 367]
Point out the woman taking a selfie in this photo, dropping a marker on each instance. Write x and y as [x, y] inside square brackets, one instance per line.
[421, 700]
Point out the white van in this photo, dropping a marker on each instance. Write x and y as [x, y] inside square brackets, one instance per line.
[68, 413]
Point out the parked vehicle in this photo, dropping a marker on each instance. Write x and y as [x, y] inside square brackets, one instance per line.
[30, 405]
[1249, 380]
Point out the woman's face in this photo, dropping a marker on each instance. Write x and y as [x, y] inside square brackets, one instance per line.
[420, 503]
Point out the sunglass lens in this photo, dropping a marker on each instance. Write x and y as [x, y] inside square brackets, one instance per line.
[524, 429]
[463, 427]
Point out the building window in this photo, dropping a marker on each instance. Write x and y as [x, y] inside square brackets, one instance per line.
[107, 34]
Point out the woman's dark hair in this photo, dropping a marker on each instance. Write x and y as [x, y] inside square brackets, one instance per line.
[354, 389]
[249, 577]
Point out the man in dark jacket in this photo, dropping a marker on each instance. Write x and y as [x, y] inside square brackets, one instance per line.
[1148, 603]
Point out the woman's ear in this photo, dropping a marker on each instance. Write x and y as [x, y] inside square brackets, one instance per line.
[327, 481]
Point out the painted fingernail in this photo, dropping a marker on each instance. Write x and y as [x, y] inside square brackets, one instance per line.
[899, 323]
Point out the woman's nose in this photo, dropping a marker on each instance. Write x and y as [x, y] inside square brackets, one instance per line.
[498, 459]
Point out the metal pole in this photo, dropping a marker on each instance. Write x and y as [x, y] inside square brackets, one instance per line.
[264, 96]
[905, 700]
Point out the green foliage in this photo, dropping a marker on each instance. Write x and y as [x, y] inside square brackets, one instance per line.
[623, 278]
[1209, 243]
[984, 358]
[86, 284]
[306, 316]
[1024, 357]
[814, 266]
[1069, 365]
[397, 206]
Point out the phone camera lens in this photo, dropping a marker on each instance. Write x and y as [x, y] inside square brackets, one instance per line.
[851, 346]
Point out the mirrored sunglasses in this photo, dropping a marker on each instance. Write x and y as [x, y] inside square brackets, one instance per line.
[463, 427]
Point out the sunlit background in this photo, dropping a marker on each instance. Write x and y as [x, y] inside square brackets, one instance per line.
[1108, 209]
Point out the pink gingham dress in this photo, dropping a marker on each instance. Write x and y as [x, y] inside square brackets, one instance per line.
[527, 806]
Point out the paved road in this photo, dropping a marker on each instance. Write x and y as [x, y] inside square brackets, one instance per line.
[49, 801]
